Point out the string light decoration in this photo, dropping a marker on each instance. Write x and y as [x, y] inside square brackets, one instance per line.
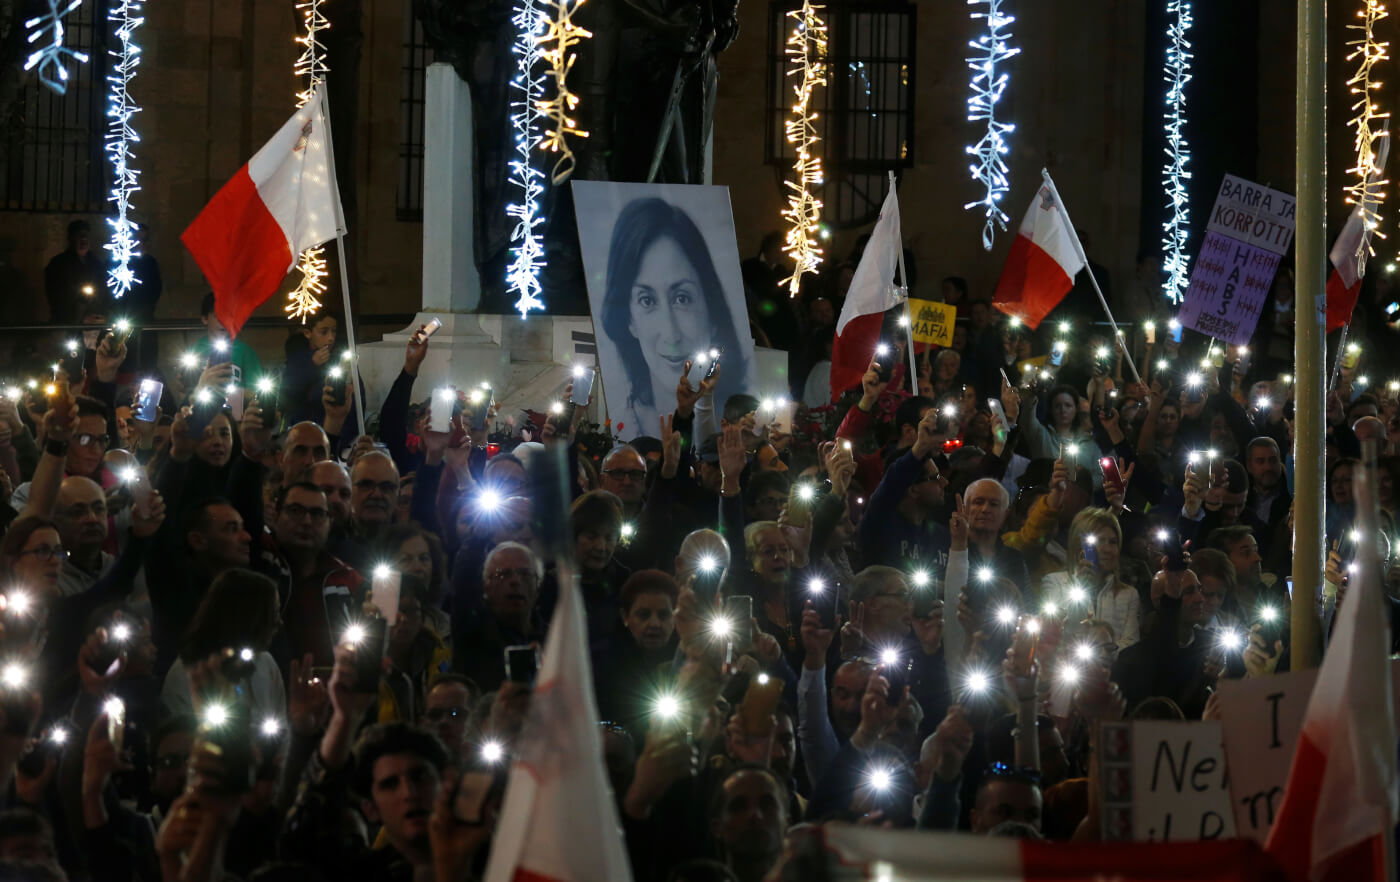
[305, 299]
[806, 46]
[52, 58]
[121, 134]
[1177, 73]
[523, 274]
[554, 45]
[987, 86]
[1367, 189]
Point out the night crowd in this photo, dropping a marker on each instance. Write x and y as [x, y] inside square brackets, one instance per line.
[244, 639]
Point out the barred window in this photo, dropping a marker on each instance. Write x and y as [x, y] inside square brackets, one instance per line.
[51, 156]
[867, 107]
[417, 55]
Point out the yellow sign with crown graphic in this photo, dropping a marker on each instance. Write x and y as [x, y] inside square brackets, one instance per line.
[933, 322]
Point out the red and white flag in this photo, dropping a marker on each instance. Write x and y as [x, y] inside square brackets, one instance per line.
[1043, 262]
[1341, 802]
[851, 852]
[559, 822]
[872, 293]
[283, 201]
[1344, 285]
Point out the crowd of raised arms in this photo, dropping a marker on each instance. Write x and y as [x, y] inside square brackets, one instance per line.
[244, 638]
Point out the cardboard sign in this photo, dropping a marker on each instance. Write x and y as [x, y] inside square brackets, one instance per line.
[1261, 719]
[933, 322]
[1249, 230]
[1164, 781]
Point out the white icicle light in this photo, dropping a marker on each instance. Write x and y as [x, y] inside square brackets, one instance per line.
[987, 86]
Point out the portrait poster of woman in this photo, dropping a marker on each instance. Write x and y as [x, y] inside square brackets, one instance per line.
[664, 285]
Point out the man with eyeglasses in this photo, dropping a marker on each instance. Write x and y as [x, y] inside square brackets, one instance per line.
[447, 710]
[85, 449]
[510, 585]
[374, 494]
[319, 591]
[625, 476]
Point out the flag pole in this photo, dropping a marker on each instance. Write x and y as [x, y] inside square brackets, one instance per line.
[908, 313]
[1079, 250]
[354, 378]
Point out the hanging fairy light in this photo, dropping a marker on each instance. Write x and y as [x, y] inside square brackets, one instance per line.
[1177, 72]
[305, 299]
[52, 58]
[527, 254]
[806, 46]
[987, 86]
[121, 134]
[554, 45]
[1367, 189]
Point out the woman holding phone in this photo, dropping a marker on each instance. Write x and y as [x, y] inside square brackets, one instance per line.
[1093, 555]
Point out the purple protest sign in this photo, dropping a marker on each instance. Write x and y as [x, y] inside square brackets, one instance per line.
[1250, 228]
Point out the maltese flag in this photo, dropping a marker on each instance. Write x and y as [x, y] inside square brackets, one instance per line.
[282, 202]
[872, 293]
[1043, 262]
[1341, 802]
[1353, 246]
[559, 822]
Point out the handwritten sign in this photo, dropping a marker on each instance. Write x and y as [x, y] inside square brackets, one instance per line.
[933, 322]
[1165, 781]
[1261, 719]
[1249, 231]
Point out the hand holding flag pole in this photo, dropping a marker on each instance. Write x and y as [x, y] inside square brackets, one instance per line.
[1079, 251]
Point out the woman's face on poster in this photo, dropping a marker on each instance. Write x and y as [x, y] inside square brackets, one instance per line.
[669, 315]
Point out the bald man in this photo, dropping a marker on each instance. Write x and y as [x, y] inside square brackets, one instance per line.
[81, 515]
[304, 445]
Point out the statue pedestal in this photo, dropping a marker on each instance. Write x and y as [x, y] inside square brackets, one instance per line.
[461, 352]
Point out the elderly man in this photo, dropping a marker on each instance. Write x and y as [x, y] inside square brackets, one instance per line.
[374, 492]
[624, 475]
[986, 505]
[447, 711]
[510, 585]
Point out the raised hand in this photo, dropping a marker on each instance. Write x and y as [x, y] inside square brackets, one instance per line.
[929, 439]
[255, 435]
[109, 360]
[307, 697]
[732, 456]
[670, 447]
[1258, 661]
[414, 352]
[958, 526]
[1059, 483]
[816, 638]
[147, 515]
[872, 387]
[952, 741]
[667, 758]
[853, 632]
[686, 394]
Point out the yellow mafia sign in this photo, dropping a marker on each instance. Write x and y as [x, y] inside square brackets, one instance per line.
[933, 322]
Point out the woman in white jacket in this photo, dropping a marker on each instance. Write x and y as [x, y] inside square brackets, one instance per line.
[1090, 586]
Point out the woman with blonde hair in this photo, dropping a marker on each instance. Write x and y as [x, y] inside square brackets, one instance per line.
[1091, 586]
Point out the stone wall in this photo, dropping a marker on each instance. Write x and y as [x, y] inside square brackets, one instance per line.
[1075, 96]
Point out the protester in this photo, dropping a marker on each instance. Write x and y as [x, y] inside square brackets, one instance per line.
[911, 608]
